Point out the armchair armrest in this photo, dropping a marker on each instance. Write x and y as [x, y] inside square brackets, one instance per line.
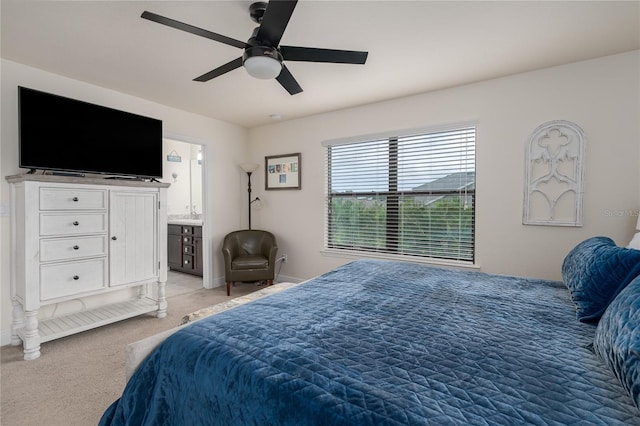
[272, 256]
[230, 250]
[269, 249]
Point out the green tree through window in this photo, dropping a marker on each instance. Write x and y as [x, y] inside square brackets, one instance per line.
[411, 195]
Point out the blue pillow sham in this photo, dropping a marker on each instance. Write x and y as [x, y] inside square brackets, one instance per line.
[617, 339]
[595, 271]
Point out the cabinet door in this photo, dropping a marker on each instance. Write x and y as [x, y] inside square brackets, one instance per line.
[133, 237]
[197, 256]
[174, 244]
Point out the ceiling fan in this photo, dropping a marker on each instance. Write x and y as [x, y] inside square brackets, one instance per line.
[263, 56]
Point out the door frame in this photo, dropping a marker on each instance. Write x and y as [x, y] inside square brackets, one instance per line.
[207, 281]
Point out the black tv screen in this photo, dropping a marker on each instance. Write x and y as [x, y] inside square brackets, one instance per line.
[62, 134]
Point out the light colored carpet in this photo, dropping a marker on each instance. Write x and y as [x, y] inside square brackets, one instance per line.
[79, 376]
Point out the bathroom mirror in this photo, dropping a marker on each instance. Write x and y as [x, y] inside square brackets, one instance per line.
[196, 183]
[182, 168]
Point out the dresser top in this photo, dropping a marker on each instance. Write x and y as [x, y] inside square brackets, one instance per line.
[85, 180]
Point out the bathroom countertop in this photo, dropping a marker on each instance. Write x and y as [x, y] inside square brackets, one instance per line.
[191, 222]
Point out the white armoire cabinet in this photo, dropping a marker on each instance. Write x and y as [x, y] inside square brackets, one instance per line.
[75, 237]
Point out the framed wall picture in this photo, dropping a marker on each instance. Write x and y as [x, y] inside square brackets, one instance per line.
[282, 172]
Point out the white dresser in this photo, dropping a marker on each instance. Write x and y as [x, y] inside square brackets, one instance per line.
[74, 237]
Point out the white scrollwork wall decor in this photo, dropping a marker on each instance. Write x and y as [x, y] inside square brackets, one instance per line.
[554, 184]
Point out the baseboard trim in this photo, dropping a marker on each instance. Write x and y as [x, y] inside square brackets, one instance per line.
[219, 282]
[288, 279]
[5, 337]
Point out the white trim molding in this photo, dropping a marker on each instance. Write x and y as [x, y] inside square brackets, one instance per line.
[554, 181]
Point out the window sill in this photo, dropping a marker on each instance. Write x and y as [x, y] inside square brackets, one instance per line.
[348, 254]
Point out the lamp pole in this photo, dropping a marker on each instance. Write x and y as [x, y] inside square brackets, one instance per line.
[249, 168]
[249, 197]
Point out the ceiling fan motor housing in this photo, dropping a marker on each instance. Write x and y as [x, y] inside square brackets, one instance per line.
[254, 51]
[256, 11]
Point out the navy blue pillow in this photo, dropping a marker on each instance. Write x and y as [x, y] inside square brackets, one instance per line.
[617, 339]
[595, 271]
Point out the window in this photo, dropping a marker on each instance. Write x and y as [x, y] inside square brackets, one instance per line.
[408, 195]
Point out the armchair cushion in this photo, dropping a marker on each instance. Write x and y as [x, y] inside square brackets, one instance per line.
[250, 262]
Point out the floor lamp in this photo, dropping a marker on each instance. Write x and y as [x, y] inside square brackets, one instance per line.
[249, 168]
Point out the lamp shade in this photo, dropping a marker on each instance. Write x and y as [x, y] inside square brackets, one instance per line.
[249, 167]
[262, 62]
[263, 67]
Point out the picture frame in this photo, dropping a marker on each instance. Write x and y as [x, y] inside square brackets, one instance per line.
[282, 172]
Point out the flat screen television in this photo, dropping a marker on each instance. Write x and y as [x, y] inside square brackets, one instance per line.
[67, 135]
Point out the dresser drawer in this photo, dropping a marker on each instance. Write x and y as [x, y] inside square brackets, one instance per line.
[175, 229]
[72, 248]
[52, 224]
[187, 261]
[72, 278]
[72, 199]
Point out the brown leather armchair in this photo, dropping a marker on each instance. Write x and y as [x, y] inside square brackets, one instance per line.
[249, 255]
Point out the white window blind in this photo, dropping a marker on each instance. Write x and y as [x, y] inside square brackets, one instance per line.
[409, 195]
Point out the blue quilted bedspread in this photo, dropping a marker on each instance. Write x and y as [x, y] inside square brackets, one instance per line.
[383, 343]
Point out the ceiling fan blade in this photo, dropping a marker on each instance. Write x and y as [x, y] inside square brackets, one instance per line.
[312, 54]
[275, 21]
[193, 30]
[288, 82]
[229, 66]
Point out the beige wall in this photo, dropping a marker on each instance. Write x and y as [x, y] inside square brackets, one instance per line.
[224, 145]
[602, 96]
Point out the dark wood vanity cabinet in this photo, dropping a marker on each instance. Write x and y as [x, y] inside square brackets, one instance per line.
[174, 247]
[185, 249]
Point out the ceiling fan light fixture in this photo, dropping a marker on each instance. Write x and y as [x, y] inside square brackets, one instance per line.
[263, 56]
[263, 63]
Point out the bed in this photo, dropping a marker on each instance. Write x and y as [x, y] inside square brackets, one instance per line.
[395, 343]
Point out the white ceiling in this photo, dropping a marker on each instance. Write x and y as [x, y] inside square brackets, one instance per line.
[414, 47]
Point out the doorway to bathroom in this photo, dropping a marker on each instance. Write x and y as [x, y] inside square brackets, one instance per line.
[183, 168]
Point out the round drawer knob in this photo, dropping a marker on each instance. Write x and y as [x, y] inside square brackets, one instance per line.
[76, 247]
[75, 198]
[75, 277]
[114, 238]
[76, 223]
